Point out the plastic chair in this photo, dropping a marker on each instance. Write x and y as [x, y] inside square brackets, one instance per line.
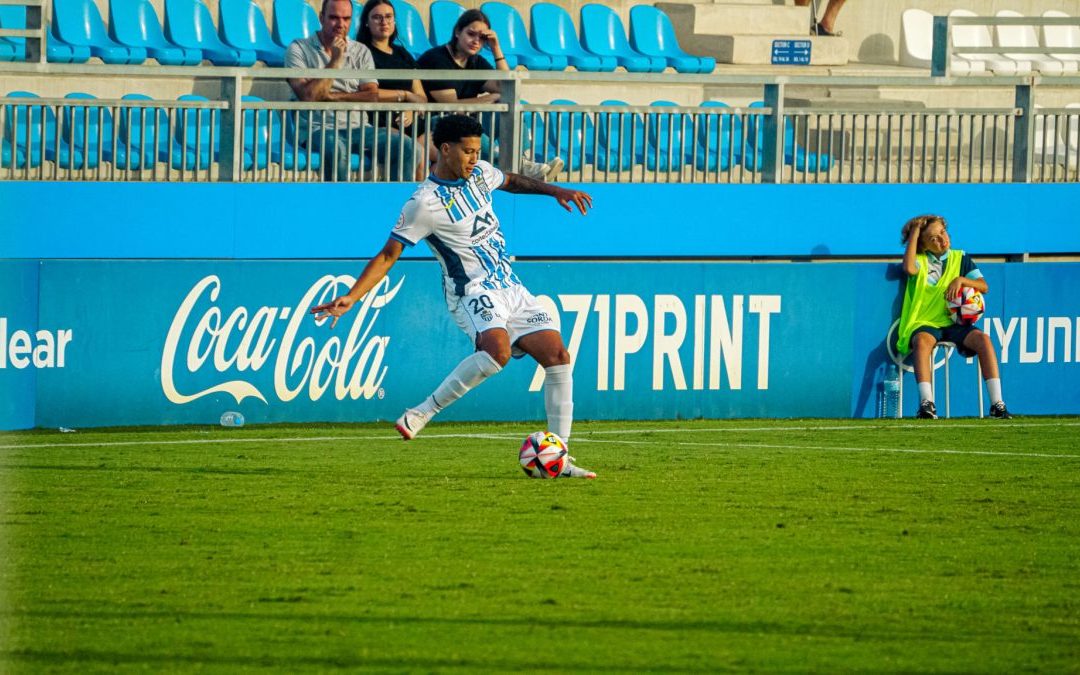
[81, 127]
[243, 26]
[917, 44]
[193, 130]
[293, 20]
[667, 131]
[979, 36]
[1061, 36]
[602, 33]
[1026, 36]
[570, 136]
[514, 39]
[12, 49]
[652, 34]
[26, 124]
[188, 24]
[553, 33]
[620, 139]
[719, 144]
[134, 23]
[59, 51]
[142, 135]
[443, 15]
[794, 154]
[411, 32]
[78, 22]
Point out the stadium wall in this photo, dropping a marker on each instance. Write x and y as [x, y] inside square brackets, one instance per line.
[119, 307]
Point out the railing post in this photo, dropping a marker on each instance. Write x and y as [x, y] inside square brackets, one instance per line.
[35, 46]
[1023, 134]
[941, 59]
[232, 138]
[772, 168]
[509, 129]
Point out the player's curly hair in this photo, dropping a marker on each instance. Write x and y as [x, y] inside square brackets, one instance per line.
[922, 222]
[453, 128]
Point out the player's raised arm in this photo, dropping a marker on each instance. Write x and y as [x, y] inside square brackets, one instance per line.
[518, 184]
[373, 273]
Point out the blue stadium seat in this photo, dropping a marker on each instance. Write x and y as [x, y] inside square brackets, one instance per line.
[188, 24]
[12, 49]
[719, 143]
[553, 33]
[58, 51]
[514, 39]
[293, 20]
[410, 27]
[27, 124]
[667, 137]
[602, 33]
[134, 23]
[80, 127]
[193, 127]
[78, 23]
[570, 136]
[652, 34]
[444, 14]
[243, 26]
[295, 143]
[142, 135]
[794, 154]
[621, 139]
[10, 156]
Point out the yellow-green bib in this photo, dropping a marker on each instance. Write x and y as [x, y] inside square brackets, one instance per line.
[924, 305]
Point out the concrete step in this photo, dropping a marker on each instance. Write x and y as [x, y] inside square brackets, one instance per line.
[758, 49]
[736, 19]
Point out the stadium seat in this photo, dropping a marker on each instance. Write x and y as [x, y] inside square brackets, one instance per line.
[1026, 37]
[293, 20]
[553, 33]
[58, 51]
[514, 39]
[410, 27]
[78, 23]
[1070, 135]
[666, 138]
[602, 33]
[917, 44]
[979, 36]
[134, 23]
[243, 26]
[443, 15]
[652, 34]
[794, 154]
[188, 24]
[719, 144]
[10, 156]
[570, 136]
[193, 131]
[142, 135]
[81, 127]
[1061, 36]
[30, 126]
[620, 139]
[12, 49]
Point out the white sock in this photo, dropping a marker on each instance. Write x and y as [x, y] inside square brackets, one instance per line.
[926, 392]
[473, 369]
[559, 399]
[993, 387]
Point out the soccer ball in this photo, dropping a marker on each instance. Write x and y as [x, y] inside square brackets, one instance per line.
[543, 455]
[967, 306]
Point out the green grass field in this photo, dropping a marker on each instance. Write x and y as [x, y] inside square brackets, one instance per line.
[704, 546]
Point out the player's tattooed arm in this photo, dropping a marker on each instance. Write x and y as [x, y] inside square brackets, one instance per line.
[518, 184]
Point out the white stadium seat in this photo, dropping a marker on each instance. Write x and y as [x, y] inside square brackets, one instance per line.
[917, 44]
[979, 36]
[1025, 36]
[1061, 36]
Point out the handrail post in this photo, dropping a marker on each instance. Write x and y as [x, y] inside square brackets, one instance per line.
[1023, 134]
[773, 132]
[232, 137]
[941, 60]
[509, 129]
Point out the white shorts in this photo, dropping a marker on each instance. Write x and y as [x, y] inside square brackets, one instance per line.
[514, 309]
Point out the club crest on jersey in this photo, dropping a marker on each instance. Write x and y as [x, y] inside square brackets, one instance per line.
[486, 315]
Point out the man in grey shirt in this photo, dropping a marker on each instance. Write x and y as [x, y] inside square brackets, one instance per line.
[343, 132]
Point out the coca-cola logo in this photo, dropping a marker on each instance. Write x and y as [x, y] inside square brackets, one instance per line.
[204, 336]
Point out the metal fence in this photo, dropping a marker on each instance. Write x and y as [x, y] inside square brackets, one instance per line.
[245, 139]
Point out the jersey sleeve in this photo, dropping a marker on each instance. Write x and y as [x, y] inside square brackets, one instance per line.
[969, 269]
[414, 223]
[493, 175]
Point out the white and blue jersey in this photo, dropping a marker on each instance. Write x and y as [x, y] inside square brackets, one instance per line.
[457, 221]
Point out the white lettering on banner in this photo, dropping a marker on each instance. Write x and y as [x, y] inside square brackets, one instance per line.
[244, 341]
[1046, 331]
[45, 349]
[717, 337]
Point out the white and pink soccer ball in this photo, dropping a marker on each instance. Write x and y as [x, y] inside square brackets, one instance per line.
[967, 306]
[543, 455]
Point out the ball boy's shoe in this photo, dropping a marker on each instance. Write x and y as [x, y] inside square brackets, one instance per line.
[999, 411]
[928, 411]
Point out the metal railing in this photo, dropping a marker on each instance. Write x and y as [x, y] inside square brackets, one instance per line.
[944, 50]
[242, 139]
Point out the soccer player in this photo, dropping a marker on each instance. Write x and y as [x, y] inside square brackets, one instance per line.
[452, 212]
[924, 320]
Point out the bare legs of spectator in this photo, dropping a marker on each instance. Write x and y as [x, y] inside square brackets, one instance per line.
[827, 21]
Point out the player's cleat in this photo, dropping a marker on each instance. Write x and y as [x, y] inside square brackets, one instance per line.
[927, 411]
[572, 471]
[411, 423]
[999, 411]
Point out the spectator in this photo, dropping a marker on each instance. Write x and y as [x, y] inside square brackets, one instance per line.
[471, 32]
[343, 132]
[826, 25]
[931, 264]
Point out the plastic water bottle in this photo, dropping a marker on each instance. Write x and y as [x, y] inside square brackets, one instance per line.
[891, 403]
[232, 419]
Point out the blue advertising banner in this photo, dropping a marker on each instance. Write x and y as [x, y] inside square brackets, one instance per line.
[24, 348]
[165, 342]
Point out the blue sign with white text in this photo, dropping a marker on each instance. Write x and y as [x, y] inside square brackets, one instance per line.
[791, 52]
